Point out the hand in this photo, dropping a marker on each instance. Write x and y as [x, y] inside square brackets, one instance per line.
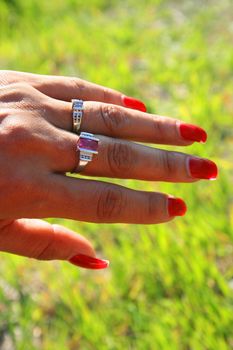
[37, 149]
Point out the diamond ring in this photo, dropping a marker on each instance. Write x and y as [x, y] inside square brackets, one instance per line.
[77, 113]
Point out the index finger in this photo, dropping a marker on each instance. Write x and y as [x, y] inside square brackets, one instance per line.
[68, 88]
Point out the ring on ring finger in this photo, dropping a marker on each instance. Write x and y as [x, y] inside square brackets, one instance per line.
[87, 146]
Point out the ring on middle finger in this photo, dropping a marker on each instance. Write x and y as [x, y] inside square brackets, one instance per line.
[77, 113]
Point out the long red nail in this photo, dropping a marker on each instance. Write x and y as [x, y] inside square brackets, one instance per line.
[176, 207]
[89, 262]
[203, 169]
[133, 103]
[192, 132]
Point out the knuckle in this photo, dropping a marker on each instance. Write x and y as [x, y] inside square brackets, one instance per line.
[78, 85]
[15, 131]
[152, 208]
[120, 158]
[113, 118]
[5, 77]
[8, 77]
[21, 95]
[110, 204]
[44, 251]
[107, 94]
[168, 164]
[7, 94]
[14, 92]
[159, 128]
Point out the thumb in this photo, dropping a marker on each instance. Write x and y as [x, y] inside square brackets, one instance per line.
[40, 240]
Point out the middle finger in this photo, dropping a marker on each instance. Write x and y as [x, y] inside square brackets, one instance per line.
[120, 122]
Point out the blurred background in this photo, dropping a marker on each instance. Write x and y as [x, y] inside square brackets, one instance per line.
[169, 286]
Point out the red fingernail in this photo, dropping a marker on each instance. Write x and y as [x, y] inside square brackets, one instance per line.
[133, 103]
[203, 169]
[176, 207]
[192, 132]
[89, 262]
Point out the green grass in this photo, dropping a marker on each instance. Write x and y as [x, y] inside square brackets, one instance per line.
[169, 287]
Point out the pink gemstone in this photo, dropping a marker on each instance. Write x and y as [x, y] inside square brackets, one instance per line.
[89, 144]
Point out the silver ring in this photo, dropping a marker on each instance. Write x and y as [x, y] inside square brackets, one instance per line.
[87, 146]
[77, 114]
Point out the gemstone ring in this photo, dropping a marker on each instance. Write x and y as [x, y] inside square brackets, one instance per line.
[87, 146]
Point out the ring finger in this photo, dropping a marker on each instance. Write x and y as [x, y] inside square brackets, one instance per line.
[124, 159]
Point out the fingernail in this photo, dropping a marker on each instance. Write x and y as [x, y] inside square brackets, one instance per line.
[89, 262]
[203, 169]
[192, 132]
[133, 103]
[176, 207]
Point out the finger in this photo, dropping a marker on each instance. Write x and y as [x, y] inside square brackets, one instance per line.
[106, 119]
[95, 201]
[41, 240]
[116, 121]
[67, 88]
[125, 159]
[120, 122]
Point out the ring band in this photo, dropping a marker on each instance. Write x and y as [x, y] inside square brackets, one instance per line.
[77, 113]
[87, 146]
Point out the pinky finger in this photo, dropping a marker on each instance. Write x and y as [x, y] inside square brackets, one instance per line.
[40, 240]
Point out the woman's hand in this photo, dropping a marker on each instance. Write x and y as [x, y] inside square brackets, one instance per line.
[38, 148]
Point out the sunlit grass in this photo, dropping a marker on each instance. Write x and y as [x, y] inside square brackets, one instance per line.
[168, 286]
